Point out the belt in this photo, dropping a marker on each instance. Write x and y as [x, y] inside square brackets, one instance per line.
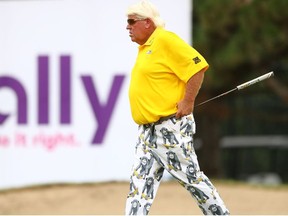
[164, 118]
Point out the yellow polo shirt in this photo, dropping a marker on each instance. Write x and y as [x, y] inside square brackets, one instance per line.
[158, 80]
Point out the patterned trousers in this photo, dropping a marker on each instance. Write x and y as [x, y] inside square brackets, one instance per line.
[168, 145]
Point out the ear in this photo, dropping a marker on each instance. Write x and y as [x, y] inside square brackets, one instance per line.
[148, 23]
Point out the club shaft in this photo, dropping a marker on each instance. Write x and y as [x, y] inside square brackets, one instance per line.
[225, 93]
[239, 87]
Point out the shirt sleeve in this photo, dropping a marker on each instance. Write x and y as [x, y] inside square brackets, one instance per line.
[183, 59]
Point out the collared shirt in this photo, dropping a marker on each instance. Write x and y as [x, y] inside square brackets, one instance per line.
[163, 66]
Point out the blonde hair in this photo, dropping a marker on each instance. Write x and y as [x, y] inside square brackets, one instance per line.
[146, 9]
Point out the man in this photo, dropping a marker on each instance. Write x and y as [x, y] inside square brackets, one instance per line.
[165, 81]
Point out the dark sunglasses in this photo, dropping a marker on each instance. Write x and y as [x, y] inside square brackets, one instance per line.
[133, 21]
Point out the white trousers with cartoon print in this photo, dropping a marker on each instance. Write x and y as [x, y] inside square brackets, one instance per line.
[168, 145]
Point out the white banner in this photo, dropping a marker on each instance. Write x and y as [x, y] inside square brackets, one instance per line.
[64, 76]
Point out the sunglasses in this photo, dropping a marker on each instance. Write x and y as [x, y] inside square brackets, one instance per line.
[133, 21]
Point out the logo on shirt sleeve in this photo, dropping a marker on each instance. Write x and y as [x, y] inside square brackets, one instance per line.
[196, 60]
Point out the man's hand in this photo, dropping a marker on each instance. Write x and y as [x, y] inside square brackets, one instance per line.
[186, 105]
[184, 108]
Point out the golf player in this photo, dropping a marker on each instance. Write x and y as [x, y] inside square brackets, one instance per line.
[165, 81]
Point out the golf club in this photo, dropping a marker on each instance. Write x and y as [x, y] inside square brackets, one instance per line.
[239, 87]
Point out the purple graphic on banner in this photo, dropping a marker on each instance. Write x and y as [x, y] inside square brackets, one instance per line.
[15, 85]
[101, 112]
[65, 90]
[43, 90]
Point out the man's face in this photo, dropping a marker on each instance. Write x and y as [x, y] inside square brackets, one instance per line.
[137, 29]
